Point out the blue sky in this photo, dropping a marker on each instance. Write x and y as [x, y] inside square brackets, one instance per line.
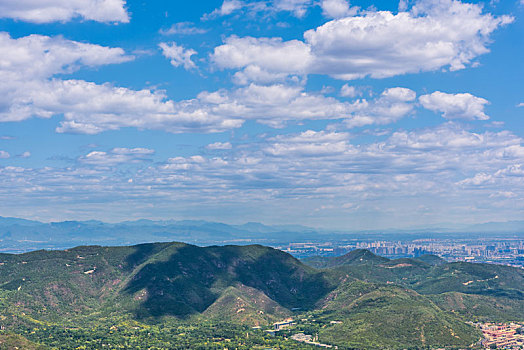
[361, 115]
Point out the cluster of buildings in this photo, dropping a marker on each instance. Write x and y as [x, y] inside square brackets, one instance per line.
[508, 251]
[502, 335]
[309, 339]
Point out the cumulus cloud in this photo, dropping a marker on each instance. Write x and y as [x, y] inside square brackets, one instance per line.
[47, 11]
[297, 8]
[91, 108]
[219, 146]
[478, 180]
[117, 156]
[271, 55]
[183, 28]
[433, 35]
[455, 106]
[30, 89]
[337, 8]
[274, 104]
[4, 155]
[392, 105]
[30, 62]
[96, 108]
[39, 56]
[513, 170]
[227, 7]
[178, 55]
[348, 91]
[309, 143]
[25, 154]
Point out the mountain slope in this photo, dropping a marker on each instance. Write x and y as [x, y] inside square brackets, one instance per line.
[153, 280]
[245, 305]
[354, 257]
[385, 317]
[381, 303]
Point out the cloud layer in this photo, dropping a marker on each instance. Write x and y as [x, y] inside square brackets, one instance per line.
[317, 168]
[39, 11]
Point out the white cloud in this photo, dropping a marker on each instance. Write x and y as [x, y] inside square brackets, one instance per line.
[309, 143]
[4, 155]
[255, 74]
[39, 56]
[455, 106]
[478, 180]
[392, 105]
[297, 7]
[26, 154]
[178, 55]
[183, 28]
[259, 8]
[337, 8]
[29, 63]
[451, 138]
[95, 108]
[227, 8]
[433, 35]
[30, 89]
[348, 91]
[520, 104]
[273, 105]
[504, 194]
[514, 170]
[117, 156]
[219, 146]
[39, 11]
[271, 55]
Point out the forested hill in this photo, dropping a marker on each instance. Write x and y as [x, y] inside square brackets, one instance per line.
[245, 286]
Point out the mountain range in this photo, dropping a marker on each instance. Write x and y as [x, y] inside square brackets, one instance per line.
[20, 235]
[216, 294]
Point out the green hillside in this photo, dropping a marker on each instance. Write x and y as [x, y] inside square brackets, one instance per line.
[354, 257]
[245, 305]
[431, 259]
[113, 296]
[389, 317]
[481, 307]
[482, 279]
[16, 342]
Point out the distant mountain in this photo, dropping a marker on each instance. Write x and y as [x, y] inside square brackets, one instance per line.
[4, 221]
[497, 227]
[19, 235]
